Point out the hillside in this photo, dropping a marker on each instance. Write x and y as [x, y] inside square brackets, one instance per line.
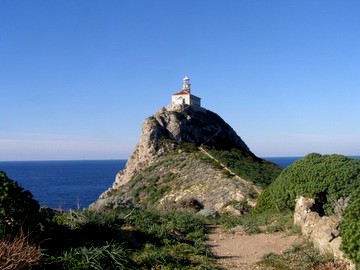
[326, 178]
[324, 192]
[191, 159]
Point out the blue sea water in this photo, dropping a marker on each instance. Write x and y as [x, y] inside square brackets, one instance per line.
[69, 184]
[282, 161]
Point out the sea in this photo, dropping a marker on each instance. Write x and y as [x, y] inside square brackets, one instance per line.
[75, 184]
[65, 184]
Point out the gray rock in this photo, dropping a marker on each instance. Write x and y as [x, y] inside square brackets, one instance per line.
[191, 126]
[209, 213]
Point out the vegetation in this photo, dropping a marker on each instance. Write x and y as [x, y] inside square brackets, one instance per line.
[134, 238]
[326, 178]
[247, 166]
[350, 229]
[18, 210]
[301, 256]
[117, 239]
[260, 223]
[18, 253]
[130, 239]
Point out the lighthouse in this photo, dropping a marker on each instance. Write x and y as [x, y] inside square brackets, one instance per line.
[184, 99]
[186, 84]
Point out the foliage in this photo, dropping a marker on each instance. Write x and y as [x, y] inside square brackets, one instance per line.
[18, 254]
[18, 210]
[325, 178]
[247, 165]
[168, 226]
[302, 256]
[109, 256]
[259, 223]
[350, 229]
[127, 239]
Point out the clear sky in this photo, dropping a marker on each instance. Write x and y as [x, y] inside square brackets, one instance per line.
[78, 77]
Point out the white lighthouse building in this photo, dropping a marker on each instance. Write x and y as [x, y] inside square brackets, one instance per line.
[183, 99]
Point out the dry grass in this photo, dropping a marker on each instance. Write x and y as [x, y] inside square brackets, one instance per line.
[301, 256]
[18, 254]
[332, 265]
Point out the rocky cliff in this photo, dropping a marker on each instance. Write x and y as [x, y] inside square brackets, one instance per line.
[190, 157]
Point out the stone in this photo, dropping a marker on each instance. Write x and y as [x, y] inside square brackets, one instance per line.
[208, 213]
[322, 231]
[193, 127]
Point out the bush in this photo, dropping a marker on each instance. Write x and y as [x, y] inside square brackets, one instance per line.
[300, 256]
[350, 229]
[139, 239]
[110, 256]
[18, 254]
[259, 223]
[18, 210]
[325, 178]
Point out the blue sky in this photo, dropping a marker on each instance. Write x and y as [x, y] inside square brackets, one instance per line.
[77, 78]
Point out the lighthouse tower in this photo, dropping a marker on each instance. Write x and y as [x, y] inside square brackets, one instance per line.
[186, 84]
[184, 99]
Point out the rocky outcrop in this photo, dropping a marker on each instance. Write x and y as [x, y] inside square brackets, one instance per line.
[172, 164]
[191, 126]
[321, 230]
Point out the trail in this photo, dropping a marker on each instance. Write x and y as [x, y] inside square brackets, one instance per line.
[246, 183]
[242, 252]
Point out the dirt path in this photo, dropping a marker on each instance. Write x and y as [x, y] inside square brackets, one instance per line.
[246, 183]
[242, 252]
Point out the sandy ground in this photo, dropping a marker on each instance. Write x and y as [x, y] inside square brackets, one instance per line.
[241, 251]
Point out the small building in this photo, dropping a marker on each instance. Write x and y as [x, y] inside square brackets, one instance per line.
[183, 99]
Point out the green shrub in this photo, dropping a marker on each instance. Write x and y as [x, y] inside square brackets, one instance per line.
[111, 256]
[350, 229]
[259, 223]
[168, 226]
[150, 239]
[18, 210]
[325, 178]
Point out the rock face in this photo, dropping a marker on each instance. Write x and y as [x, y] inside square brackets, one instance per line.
[196, 127]
[322, 231]
[172, 165]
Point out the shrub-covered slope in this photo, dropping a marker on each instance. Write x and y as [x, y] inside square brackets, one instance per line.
[323, 177]
[329, 179]
[350, 229]
[187, 174]
[18, 210]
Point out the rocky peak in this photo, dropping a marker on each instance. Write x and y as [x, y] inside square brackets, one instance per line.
[189, 159]
[198, 127]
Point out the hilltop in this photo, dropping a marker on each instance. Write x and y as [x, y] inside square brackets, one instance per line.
[192, 159]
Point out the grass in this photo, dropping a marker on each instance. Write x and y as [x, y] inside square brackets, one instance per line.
[260, 223]
[18, 253]
[247, 166]
[109, 256]
[302, 256]
[126, 239]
